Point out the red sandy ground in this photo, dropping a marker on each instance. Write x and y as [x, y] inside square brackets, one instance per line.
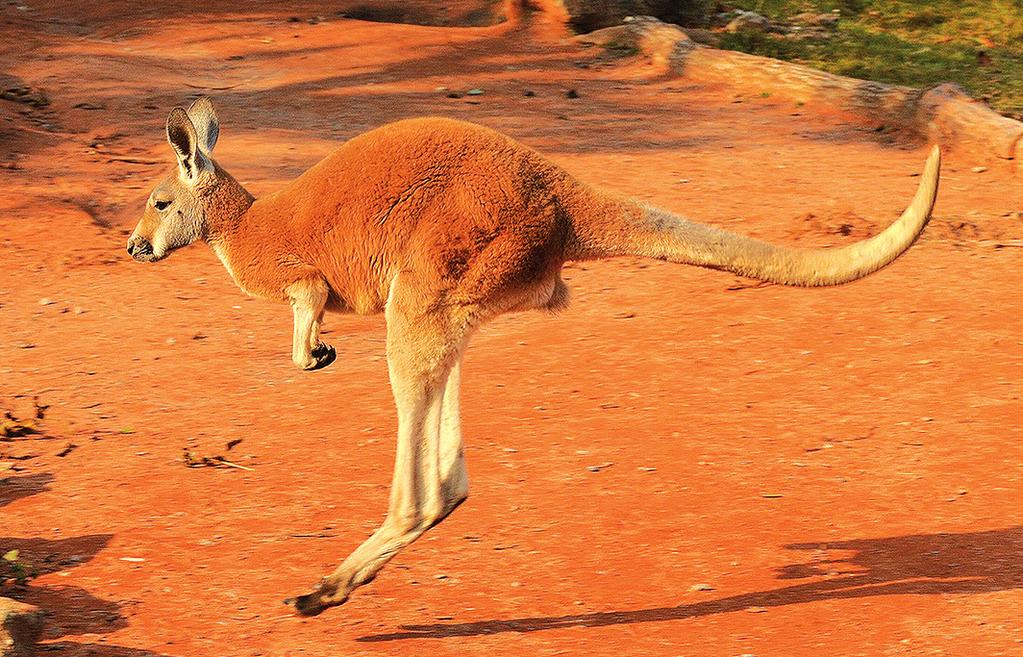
[792, 472]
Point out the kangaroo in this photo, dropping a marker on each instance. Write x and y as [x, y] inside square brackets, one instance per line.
[441, 225]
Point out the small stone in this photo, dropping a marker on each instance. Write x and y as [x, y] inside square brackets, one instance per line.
[79, 310]
[171, 341]
[748, 21]
[474, 92]
[978, 169]
[571, 93]
[528, 93]
[701, 587]
[45, 301]
[598, 468]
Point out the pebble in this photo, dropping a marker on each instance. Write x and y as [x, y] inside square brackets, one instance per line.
[978, 169]
[45, 301]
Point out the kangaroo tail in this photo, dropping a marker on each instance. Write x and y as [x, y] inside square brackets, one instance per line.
[655, 233]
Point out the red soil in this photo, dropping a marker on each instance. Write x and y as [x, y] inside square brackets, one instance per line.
[792, 472]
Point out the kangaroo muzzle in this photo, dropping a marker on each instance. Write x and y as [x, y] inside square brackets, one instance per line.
[141, 249]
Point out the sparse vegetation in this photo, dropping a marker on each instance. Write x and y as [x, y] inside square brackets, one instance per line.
[13, 426]
[12, 569]
[194, 460]
[973, 43]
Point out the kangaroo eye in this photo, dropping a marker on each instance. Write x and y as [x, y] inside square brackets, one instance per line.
[161, 205]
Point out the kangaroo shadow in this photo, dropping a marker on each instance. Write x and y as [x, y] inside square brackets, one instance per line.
[920, 564]
[69, 610]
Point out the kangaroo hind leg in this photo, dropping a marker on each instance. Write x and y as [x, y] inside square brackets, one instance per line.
[429, 481]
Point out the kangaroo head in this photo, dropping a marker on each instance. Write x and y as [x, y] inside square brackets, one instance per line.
[196, 191]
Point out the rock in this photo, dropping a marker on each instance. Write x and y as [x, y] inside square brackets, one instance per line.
[978, 169]
[723, 18]
[21, 625]
[749, 21]
[660, 42]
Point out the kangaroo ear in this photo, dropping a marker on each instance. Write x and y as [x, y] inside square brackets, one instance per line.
[185, 142]
[204, 118]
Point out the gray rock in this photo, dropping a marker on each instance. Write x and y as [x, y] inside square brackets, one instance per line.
[749, 21]
[21, 625]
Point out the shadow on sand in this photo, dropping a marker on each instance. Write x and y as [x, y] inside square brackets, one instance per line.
[921, 564]
[70, 610]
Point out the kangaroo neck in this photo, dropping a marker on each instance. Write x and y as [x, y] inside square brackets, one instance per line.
[227, 210]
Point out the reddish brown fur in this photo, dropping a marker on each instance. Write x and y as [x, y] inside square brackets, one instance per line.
[476, 214]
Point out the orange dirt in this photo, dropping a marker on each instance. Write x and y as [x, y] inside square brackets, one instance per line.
[778, 472]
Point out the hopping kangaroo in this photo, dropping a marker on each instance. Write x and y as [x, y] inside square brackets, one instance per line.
[441, 225]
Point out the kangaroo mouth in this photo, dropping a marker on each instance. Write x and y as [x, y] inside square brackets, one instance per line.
[146, 257]
[142, 250]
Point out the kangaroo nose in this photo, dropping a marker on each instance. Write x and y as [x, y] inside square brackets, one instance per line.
[139, 247]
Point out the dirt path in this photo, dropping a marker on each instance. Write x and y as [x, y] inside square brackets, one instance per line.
[785, 472]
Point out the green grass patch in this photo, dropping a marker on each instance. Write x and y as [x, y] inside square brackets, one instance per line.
[976, 44]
